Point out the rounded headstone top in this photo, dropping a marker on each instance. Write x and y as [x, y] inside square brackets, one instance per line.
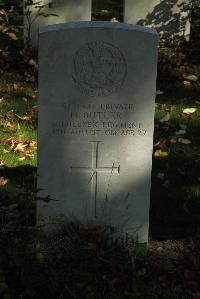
[96, 24]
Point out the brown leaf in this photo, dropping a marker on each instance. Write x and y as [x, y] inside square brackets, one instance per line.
[161, 144]
[160, 154]
[1, 163]
[31, 142]
[186, 84]
[5, 151]
[9, 115]
[33, 96]
[3, 181]
[30, 156]
[34, 108]
[13, 140]
[21, 158]
[9, 124]
[20, 147]
[173, 107]
[14, 87]
[173, 140]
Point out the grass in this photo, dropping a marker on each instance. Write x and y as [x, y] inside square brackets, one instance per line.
[18, 122]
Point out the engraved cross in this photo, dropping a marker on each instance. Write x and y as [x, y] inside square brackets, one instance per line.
[95, 169]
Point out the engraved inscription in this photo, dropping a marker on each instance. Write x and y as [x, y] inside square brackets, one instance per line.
[95, 170]
[99, 68]
[97, 119]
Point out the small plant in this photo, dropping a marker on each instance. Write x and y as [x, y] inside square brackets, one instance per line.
[32, 11]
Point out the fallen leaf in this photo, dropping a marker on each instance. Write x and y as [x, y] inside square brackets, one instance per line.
[181, 132]
[114, 20]
[2, 163]
[32, 62]
[9, 124]
[159, 249]
[173, 140]
[191, 78]
[160, 176]
[5, 151]
[186, 84]
[12, 146]
[30, 156]
[18, 126]
[3, 181]
[9, 114]
[14, 87]
[161, 144]
[165, 118]
[1, 100]
[31, 143]
[20, 147]
[173, 107]
[13, 140]
[189, 110]
[158, 92]
[34, 108]
[24, 99]
[21, 159]
[12, 35]
[25, 117]
[160, 154]
[184, 141]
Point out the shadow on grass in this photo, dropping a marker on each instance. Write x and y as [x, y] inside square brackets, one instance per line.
[87, 263]
[175, 93]
[175, 199]
[18, 196]
[22, 176]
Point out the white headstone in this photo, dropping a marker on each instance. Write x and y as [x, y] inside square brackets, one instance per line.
[165, 16]
[97, 83]
[66, 11]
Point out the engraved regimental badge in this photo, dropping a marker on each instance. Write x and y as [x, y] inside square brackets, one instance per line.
[99, 68]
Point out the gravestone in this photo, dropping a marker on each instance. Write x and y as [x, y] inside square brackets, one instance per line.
[165, 16]
[65, 11]
[97, 83]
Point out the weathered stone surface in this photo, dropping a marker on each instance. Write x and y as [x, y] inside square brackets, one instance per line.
[97, 84]
[165, 16]
[66, 11]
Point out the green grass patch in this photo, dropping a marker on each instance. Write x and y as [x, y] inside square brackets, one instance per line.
[18, 127]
